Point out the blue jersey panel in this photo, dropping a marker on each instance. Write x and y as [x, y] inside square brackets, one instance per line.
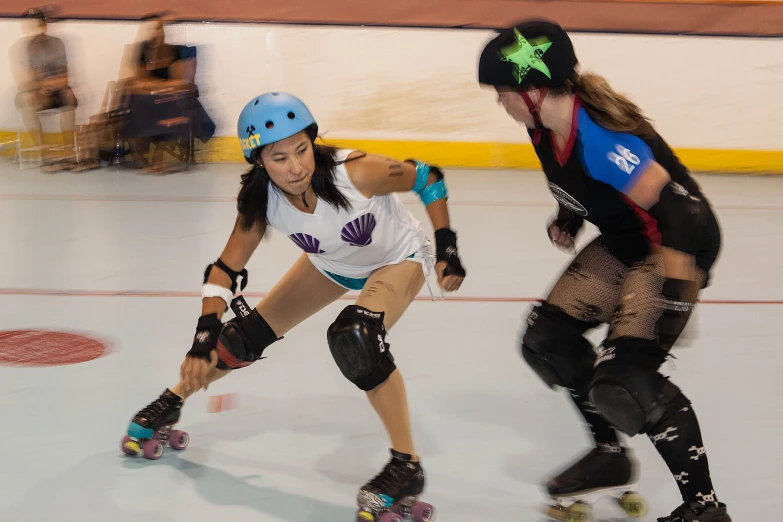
[615, 158]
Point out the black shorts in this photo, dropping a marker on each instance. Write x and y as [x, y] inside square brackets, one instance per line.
[709, 245]
[600, 288]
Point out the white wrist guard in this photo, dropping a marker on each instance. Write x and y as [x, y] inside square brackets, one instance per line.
[211, 290]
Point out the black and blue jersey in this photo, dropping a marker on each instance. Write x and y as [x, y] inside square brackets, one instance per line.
[597, 168]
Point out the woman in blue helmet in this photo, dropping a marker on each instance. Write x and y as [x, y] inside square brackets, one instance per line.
[658, 242]
[340, 208]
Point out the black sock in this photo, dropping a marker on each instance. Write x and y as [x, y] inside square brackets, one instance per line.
[677, 438]
[603, 432]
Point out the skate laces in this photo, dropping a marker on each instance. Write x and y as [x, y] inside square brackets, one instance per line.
[388, 479]
[154, 409]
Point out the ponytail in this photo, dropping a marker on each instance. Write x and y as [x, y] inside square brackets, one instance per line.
[610, 109]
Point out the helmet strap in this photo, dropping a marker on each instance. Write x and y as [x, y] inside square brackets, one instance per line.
[535, 111]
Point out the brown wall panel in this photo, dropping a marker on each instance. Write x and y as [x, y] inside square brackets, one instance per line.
[729, 17]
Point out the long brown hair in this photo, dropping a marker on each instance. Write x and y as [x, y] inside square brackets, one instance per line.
[609, 108]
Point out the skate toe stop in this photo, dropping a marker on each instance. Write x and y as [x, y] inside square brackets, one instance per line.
[364, 515]
[138, 432]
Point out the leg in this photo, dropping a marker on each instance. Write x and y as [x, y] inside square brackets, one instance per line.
[67, 124]
[360, 329]
[156, 159]
[29, 104]
[628, 390]
[391, 289]
[553, 344]
[67, 100]
[139, 147]
[357, 340]
[300, 293]
[554, 347]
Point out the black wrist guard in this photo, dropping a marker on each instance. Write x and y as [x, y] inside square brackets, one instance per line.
[446, 250]
[207, 334]
[567, 221]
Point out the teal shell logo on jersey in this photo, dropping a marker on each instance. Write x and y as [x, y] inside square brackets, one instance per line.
[526, 55]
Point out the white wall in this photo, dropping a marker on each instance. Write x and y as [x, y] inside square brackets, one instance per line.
[419, 84]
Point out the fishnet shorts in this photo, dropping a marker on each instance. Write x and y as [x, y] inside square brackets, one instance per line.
[598, 288]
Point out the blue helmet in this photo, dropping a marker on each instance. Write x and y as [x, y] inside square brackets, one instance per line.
[271, 117]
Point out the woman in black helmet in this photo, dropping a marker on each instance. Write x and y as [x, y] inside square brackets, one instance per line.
[659, 240]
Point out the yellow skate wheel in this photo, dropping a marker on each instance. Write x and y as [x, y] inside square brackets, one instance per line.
[633, 504]
[130, 446]
[580, 512]
[558, 513]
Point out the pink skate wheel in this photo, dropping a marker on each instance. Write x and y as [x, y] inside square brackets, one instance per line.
[178, 439]
[388, 516]
[153, 449]
[423, 512]
[130, 446]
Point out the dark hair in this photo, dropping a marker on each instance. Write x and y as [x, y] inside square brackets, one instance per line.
[35, 13]
[253, 198]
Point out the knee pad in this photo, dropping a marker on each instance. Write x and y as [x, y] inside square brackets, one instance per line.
[554, 347]
[244, 338]
[627, 389]
[357, 340]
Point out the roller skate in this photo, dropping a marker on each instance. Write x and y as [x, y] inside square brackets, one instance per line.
[604, 471]
[696, 511]
[392, 495]
[151, 429]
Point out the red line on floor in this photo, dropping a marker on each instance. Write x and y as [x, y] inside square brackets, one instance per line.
[351, 296]
[214, 199]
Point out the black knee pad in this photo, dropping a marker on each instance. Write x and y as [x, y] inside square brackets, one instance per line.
[627, 389]
[244, 338]
[357, 340]
[554, 347]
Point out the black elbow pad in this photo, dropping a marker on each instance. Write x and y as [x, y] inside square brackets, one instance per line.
[680, 216]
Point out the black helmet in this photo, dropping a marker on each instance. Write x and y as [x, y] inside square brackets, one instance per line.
[532, 54]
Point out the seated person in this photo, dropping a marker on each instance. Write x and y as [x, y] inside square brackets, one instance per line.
[41, 72]
[156, 67]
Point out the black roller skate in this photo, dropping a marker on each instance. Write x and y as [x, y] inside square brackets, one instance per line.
[604, 471]
[392, 495]
[151, 429]
[696, 511]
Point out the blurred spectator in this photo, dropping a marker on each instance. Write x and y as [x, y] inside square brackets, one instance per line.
[156, 67]
[41, 75]
[159, 65]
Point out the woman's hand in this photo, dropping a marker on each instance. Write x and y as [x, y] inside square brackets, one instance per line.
[561, 238]
[449, 283]
[196, 371]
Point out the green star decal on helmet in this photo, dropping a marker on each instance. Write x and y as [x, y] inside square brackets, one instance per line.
[526, 55]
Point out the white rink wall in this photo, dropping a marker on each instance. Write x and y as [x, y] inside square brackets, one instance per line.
[420, 84]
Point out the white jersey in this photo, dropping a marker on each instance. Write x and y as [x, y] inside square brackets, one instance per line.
[375, 232]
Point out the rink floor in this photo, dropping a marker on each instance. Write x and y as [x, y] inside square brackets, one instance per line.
[119, 257]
